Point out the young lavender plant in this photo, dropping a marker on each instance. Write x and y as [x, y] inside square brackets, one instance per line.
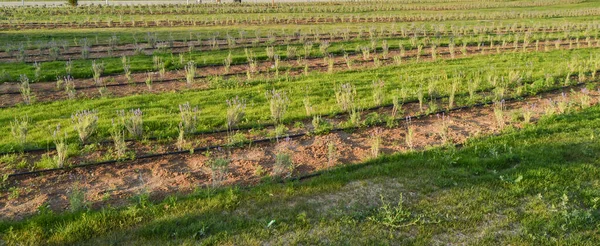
[528, 113]
[378, 95]
[97, 69]
[148, 80]
[189, 117]
[444, 127]
[69, 86]
[409, 133]
[219, 168]
[376, 143]
[499, 114]
[25, 89]
[236, 109]
[85, 123]
[278, 102]
[284, 166]
[19, 129]
[227, 62]
[307, 106]
[117, 134]
[133, 121]
[344, 96]
[59, 137]
[37, 71]
[190, 72]
[126, 68]
[68, 67]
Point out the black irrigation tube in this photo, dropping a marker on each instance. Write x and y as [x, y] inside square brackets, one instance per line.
[257, 141]
[228, 75]
[223, 43]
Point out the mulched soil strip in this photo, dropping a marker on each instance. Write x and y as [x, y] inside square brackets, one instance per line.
[234, 74]
[201, 149]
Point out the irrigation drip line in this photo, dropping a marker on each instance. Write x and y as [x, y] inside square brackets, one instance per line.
[218, 131]
[245, 43]
[257, 141]
[228, 75]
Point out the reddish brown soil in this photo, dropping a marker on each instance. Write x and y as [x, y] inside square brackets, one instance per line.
[161, 176]
[175, 80]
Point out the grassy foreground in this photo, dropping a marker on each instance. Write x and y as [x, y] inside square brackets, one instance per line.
[536, 186]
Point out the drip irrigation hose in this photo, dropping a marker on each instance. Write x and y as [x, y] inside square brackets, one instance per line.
[271, 124]
[257, 141]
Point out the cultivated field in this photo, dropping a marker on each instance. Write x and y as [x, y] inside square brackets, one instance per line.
[356, 122]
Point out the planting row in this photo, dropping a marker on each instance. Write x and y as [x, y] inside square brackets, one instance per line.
[234, 75]
[16, 13]
[13, 41]
[162, 62]
[295, 157]
[298, 19]
[84, 49]
[316, 95]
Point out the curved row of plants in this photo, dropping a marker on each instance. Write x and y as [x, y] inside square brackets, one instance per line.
[13, 41]
[167, 61]
[57, 50]
[78, 21]
[244, 8]
[313, 95]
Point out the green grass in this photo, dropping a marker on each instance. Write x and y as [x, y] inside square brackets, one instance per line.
[161, 110]
[536, 186]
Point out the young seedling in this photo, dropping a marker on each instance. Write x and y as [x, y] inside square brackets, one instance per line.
[25, 89]
[236, 109]
[133, 121]
[344, 96]
[528, 113]
[117, 134]
[97, 69]
[278, 104]
[291, 52]
[284, 166]
[126, 68]
[409, 133]
[227, 63]
[85, 123]
[189, 117]
[19, 129]
[190, 72]
[499, 114]
[60, 143]
[181, 143]
[219, 168]
[452, 94]
[444, 128]
[69, 86]
[307, 106]
[270, 52]
[376, 143]
[68, 67]
[378, 94]
[323, 46]
[148, 80]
